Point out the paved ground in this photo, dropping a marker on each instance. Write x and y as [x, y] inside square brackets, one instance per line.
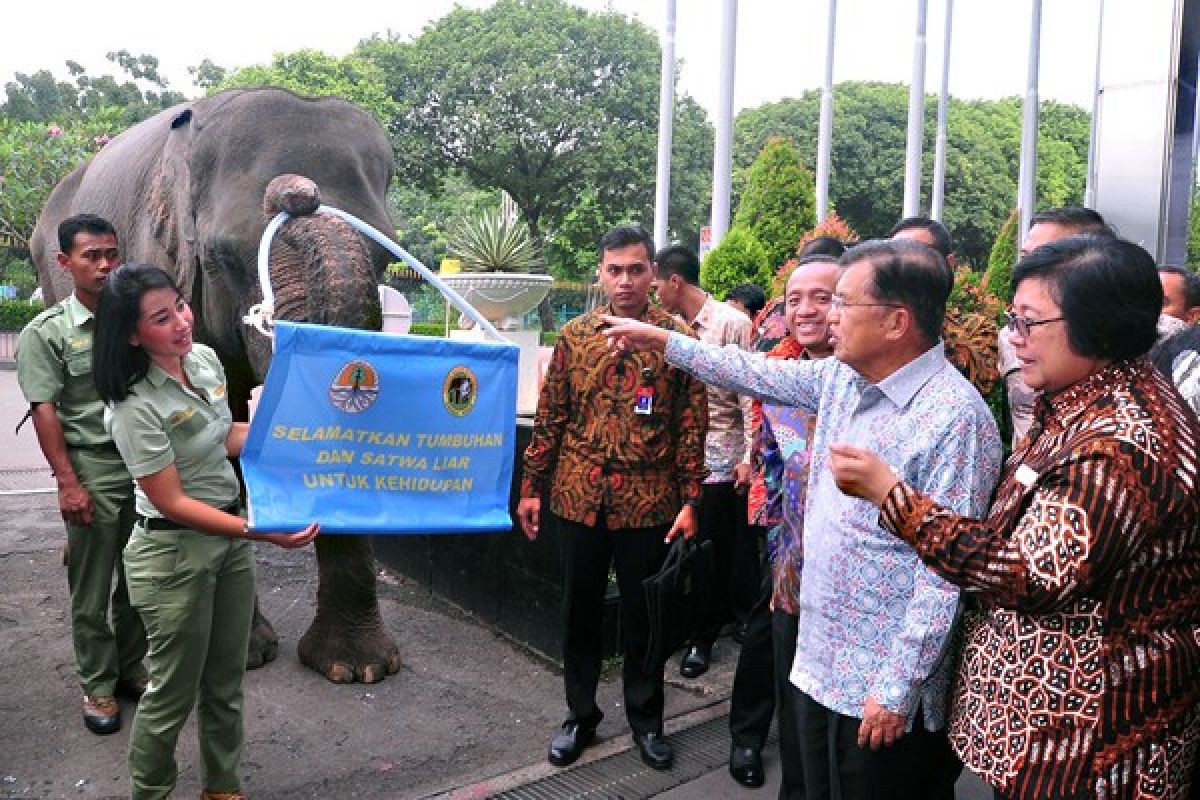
[468, 715]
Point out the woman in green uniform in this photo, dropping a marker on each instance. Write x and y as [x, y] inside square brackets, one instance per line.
[189, 562]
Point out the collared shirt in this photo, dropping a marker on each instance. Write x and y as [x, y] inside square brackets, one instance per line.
[54, 365]
[592, 448]
[730, 425]
[1079, 668]
[162, 422]
[873, 620]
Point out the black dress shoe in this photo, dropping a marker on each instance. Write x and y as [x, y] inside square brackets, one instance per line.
[695, 661]
[656, 751]
[569, 742]
[746, 767]
[101, 714]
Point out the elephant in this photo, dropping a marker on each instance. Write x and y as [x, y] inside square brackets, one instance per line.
[188, 190]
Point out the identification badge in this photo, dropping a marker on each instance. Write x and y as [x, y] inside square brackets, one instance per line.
[645, 400]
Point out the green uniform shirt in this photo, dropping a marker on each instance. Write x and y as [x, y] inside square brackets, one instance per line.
[162, 423]
[54, 365]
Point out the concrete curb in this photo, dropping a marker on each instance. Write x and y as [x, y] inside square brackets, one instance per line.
[602, 749]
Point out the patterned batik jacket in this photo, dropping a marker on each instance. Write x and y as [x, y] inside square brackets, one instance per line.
[594, 452]
[1081, 668]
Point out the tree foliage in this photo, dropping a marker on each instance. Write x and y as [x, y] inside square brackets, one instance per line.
[34, 157]
[739, 258]
[41, 97]
[778, 204]
[867, 161]
[315, 74]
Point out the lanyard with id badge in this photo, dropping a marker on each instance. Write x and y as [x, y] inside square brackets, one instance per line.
[644, 404]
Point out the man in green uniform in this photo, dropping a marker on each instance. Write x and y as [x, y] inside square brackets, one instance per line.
[95, 492]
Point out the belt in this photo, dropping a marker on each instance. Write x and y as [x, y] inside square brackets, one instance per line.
[103, 447]
[164, 524]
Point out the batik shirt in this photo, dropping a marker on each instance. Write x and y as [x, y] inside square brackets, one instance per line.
[1080, 674]
[873, 622]
[730, 427]
[618, 435]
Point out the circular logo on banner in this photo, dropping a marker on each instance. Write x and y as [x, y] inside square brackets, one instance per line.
[355, 387]
[459, 391]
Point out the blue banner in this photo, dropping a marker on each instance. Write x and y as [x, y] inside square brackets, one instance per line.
[379, 433]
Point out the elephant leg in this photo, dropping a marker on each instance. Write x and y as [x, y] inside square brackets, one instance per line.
[347, 641]
[264, 643]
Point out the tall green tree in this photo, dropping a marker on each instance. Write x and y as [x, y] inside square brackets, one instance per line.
[536, 97]
[1002, 259]
[778, 204]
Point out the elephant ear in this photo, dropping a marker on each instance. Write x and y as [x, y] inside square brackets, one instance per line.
[172, 206]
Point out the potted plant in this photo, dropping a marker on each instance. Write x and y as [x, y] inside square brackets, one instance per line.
[497, 256]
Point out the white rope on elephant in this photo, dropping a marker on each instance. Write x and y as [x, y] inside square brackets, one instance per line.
[261, 316]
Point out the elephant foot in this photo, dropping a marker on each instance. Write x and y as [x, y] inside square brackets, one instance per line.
[264, 642]
[349, 654]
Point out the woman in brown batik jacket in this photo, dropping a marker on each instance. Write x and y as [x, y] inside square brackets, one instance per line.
[1080, 674]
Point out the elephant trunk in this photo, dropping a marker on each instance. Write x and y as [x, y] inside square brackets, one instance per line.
[320, 267]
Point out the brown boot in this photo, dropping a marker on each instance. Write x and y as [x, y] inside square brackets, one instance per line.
[207, 795]
[101, 714]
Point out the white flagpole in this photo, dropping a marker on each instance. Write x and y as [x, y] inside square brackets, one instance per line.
[825, 126]
[1089, 190]
[666, 121]
[1027, 186]
[723, 153]
[916, 118]
[939, 153]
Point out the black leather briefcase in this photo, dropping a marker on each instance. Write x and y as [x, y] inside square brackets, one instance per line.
[677, 598]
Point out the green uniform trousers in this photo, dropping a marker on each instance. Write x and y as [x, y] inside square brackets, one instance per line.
[104, 653]
[195, 593]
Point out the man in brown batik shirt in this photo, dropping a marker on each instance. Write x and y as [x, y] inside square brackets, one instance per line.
[618, 444]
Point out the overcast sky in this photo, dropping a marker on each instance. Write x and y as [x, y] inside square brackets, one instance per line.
[780, 43]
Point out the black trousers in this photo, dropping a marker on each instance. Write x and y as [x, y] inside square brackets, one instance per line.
[918, 766]
[761, 684]
[636, 554]
[736, 555]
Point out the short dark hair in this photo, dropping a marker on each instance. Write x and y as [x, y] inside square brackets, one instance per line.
[908, 273]
[625, 235]
[678, 260]
[1076, 219]
[1191, 283]
[942, 241]
[822, 246]
[750, 295]
[1108, 289]
[117, 364]
[70, 227]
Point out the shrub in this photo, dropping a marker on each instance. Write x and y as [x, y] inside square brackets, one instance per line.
[779, 202]
[739, 258]
[15, 314]
[998, 276]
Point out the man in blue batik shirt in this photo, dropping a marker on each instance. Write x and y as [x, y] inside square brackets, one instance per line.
[872, 662]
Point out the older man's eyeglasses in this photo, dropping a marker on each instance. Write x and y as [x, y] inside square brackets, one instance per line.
[838, 303]
[1024, 325]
